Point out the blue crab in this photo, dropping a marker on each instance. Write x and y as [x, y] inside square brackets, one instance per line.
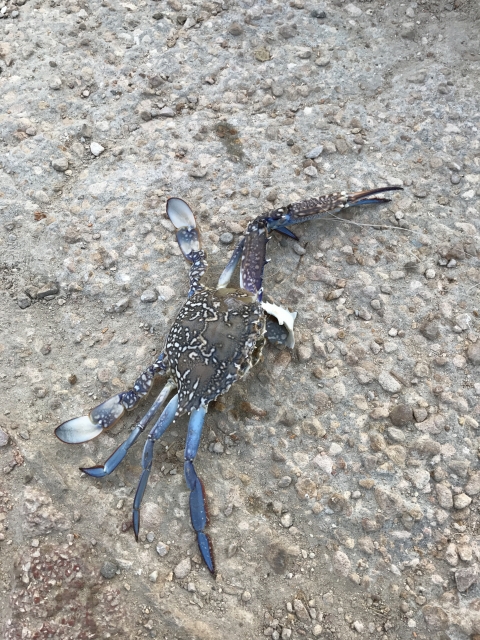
[217, 337]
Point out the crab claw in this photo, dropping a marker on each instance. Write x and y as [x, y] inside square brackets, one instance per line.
[182, 218]
[78, 430]
[284, 317]
[180, 213]
[86, 428]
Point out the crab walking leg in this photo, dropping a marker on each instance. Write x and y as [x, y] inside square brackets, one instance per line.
[198, 502]
[119, 454]
[158, 429]
[108, 413]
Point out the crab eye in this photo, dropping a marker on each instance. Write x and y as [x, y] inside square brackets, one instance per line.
[180, 213]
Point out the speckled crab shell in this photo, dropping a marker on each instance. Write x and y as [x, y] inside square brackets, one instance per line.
[217, 336]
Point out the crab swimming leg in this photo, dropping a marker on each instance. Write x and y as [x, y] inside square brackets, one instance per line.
[198, 501]
[108, 413]
[119, 454]
[158, 429]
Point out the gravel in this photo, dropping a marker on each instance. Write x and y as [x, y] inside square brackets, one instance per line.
[342, 477]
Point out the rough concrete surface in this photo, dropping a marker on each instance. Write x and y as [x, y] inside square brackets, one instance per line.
[342, 477]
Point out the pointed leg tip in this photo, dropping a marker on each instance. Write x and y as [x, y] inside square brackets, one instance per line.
[94, 472]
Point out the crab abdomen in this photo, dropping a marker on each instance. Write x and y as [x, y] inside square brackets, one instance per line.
[212, 343]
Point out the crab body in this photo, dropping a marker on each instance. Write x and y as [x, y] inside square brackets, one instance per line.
[213, 342]
[217, 336]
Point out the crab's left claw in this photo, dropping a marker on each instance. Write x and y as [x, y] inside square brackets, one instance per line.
[285, 318]
[183, 220]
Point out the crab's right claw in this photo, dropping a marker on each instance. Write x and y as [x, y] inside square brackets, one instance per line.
[183, 220]
[285, 318]
[86, 428]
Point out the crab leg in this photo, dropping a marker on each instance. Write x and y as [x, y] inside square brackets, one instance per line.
[188, 240]
[119, 454]
[198, 502]
[227, 273]
[159, 428]
[258, 231]
[108, 413]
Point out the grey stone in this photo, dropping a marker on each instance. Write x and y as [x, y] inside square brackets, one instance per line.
[401, 415]
[55, 83]
[389, 383]
[162, 549]
[109, 569]
[420, 414]
[235, 29]
[23, 300]
[50, 289]
[148, 296]
[60, 164]
[473, 353]
[121, 305]
[459, 467]
[430, 330]
[395, 434]
[288, 31]
[3, 438]
[444, 496]
[465, 578]
[166, 112]
[472, 488]
[435, 617]
[226, 238]
[183, 568]
[314, 153]
[461, 500]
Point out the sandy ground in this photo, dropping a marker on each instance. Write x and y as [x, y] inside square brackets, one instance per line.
[343, 476]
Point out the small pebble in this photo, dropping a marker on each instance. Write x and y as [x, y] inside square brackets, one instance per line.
[286, 520]
[96, 149]
[235, 29]
[162, 549]
[226, 238]
[183, 568]
[314, 153]
[148, 296]
[109, 569]
[60, 164]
